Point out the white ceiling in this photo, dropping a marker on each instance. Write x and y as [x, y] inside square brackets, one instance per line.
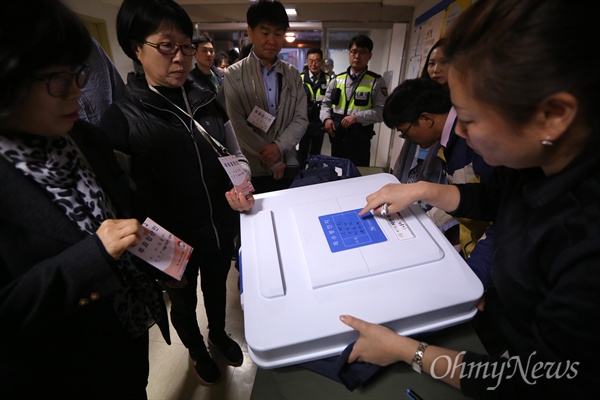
[217, 16]
[231, 11]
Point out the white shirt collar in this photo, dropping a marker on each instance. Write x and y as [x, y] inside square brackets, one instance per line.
[448, 127]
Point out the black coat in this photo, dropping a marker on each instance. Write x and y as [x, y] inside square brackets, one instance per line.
[198, 76]
[546, 272]
[203, 81]
[56, 341]
[179, 179]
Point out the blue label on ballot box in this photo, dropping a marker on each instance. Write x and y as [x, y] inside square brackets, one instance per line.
[347, 230]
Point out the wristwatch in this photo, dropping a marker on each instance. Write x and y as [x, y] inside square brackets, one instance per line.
[417, 362]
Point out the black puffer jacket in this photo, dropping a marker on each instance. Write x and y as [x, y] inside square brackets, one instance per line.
[177, 173]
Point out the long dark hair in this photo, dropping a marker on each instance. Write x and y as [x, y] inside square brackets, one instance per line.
[424, 72]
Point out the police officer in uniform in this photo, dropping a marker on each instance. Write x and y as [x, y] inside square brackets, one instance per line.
[353, 103]
[328, 67]
[315, 83]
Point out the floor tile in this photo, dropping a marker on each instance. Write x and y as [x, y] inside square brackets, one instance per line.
[172, 375]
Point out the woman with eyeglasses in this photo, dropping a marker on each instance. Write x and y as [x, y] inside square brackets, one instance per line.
[75, 306]
[175, 135]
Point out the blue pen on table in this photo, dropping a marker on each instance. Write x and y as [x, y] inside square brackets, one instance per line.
[413, 395]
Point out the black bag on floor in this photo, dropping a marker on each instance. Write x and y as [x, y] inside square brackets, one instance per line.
[322, 168]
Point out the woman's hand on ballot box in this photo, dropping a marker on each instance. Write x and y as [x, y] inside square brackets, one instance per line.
[395, 197]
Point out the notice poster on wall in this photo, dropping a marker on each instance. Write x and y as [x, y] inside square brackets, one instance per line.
[429, 27]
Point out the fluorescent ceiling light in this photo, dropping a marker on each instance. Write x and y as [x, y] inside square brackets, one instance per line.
[291, 12]
[290, 37]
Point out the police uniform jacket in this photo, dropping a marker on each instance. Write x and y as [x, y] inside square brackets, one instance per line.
[315, 93]
[363, 96]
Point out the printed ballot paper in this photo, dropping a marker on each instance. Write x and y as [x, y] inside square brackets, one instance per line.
[163, 250]
[237, 174]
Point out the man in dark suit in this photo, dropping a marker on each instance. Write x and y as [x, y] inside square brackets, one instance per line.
[205, 73]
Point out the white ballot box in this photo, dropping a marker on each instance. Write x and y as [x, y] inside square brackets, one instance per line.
[307, 258]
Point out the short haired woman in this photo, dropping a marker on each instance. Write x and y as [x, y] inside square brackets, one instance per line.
[176, 136]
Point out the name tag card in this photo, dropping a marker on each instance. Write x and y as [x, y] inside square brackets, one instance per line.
[260, 119]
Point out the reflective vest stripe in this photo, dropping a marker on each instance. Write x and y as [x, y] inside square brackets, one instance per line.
[365, 86]
[320, 93]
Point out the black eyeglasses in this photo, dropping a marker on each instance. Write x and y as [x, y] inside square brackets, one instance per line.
[59, 83]
[361, 52]
[168, 48]
[403, 135]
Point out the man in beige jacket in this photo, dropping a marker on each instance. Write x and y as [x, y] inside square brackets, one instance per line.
[266, 101]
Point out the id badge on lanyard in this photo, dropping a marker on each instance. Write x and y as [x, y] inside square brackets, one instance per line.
[230, 163]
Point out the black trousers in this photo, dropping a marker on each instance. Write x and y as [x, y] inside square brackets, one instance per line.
[264, 184]
[310, 145]
[353, 143]
[214, 268]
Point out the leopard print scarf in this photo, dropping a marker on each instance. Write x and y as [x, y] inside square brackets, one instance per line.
[57, 165]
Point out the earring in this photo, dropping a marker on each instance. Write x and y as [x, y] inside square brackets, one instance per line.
[547, 142]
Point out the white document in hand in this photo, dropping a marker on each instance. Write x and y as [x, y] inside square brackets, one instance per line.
[163, 250]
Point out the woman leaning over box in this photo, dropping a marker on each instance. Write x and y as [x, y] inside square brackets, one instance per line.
[519, 79]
